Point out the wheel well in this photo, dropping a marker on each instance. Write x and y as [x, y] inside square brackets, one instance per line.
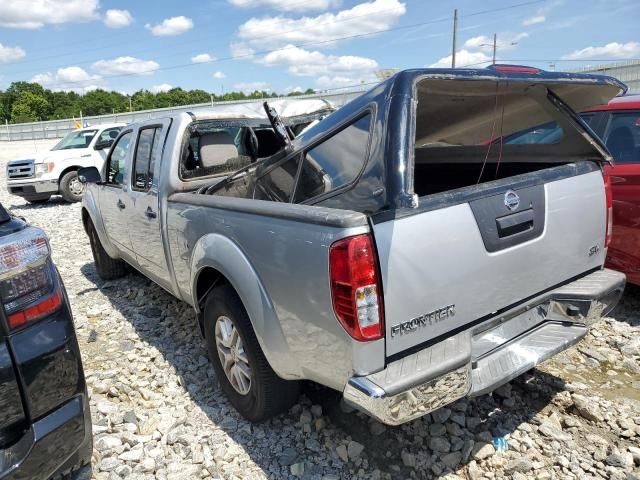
[85, 219]
[207, 278]
[67, 170]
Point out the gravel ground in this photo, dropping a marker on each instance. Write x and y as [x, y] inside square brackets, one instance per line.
[159, 413]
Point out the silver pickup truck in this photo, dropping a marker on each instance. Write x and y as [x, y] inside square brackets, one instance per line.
[402, 250]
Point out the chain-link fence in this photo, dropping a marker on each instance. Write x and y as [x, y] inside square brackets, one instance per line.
[59, 128]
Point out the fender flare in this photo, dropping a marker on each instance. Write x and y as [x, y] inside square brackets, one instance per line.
[92, 212]
[220, 253]
[66, 170]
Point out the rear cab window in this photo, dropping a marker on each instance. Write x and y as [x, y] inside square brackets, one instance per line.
[214, 150]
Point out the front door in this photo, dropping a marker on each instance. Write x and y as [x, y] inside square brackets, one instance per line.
[144, 221]
[115, 203]
[622, 137]
[99, 156]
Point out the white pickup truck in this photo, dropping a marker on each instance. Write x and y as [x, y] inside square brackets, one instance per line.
[40, 175]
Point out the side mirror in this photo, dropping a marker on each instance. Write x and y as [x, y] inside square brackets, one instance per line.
[89, 175]
[103, 144]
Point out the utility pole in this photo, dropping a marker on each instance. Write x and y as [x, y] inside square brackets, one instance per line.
[130, 105]
[495, 36]
[211, 95]
[455, 30]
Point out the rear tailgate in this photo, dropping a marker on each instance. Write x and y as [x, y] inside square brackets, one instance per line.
[490, 241]
[439, 275]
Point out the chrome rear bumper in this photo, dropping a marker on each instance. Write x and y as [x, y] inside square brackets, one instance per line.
[480, 359]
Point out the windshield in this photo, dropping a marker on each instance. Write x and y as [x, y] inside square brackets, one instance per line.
[78, 139]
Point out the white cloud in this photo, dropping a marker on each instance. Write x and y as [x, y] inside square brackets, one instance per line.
[362, 18]
[171, 26]
[610, 50]
[32, 14]
[505, 41]
[68, 79]
[541, 14]
[249, 87]
[287, 5]
[329, 70]
[202, 58]
[118, 18]
[219, 75]
[124, 66]
[163, 87]
[241, 51]
[9, 54]
[305, 63]
[535, 19]
[464, 58]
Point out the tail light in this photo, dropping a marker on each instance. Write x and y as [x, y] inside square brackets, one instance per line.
[609, 198]
[28, 288]
[355, 287]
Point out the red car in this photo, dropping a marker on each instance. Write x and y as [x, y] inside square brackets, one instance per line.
[618, 124]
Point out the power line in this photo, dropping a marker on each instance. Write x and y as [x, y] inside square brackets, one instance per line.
[441, 19]
[280, 34]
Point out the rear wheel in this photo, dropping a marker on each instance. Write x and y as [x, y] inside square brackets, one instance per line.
[108, 268]
[245, 376]
[71, 188]
[38, 199]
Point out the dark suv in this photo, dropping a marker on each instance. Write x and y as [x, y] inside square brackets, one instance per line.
[45, 425]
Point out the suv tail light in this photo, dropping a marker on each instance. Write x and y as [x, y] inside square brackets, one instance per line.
[28, 288]
[609, 198]
[355, 287]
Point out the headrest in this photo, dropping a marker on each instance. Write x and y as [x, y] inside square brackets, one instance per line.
[216, 148]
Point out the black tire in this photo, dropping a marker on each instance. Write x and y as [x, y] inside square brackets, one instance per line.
[108, 268]
[38, 200]
[268, 394]
[69, 187]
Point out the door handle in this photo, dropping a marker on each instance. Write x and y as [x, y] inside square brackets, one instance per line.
[120, 204]
[150, 213]
[515, 223]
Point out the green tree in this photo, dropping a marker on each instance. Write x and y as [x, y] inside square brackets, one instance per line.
[4, 112]
[29, 107]
[25, 101]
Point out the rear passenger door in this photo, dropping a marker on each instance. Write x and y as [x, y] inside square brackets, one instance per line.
[144, 220]
[622, 137]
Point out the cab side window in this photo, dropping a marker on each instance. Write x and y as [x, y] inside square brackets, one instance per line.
[108, 135]
[623, 137]
[117, 158]
[335, 162]
[147, 150]
[277, 184]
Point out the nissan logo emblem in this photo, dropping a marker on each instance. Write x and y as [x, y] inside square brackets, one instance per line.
[511, 200]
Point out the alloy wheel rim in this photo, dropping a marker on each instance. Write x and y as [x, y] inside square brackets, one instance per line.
[233, 357]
